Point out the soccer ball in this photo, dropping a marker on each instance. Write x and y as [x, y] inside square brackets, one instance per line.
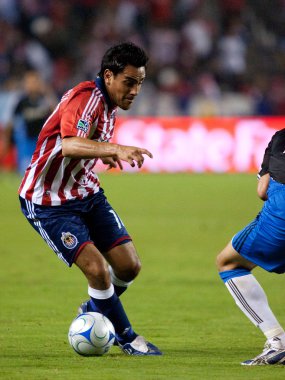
[91, 334]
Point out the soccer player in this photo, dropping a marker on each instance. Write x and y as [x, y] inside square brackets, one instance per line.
[61, 196]
[261, 243]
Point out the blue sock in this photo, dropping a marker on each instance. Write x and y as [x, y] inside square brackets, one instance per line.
[113, 309]
[92, 306]
[120, 289]
[229, 274]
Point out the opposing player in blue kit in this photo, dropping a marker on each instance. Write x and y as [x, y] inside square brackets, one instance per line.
[61, 195]
[261, 243]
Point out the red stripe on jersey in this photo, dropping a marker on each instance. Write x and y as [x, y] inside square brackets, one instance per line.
[120, 241]
[80, 249]
[38, 162]
[88, 110]
[39, 169]
[66, 177]
[46, 142]
[75, 191]
[50, 176]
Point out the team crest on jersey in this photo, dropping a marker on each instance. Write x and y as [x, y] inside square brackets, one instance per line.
[82, 125]
[69, 240]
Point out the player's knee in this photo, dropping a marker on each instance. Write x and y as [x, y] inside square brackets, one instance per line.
[97, 272]
[229, 259]
[220, 262]
[134, 270]
[129, 271]
[224, 259]
[125, 262]
[94, 267]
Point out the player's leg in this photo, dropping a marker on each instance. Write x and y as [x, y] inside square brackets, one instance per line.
[91, 262]
[106, 301]
[249, 296]
[111, 237]
[101, 290]
[65, 232]
[124, 265]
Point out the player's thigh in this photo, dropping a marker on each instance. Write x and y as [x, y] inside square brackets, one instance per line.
[229, 259]
[111, 237]
[124, 260]
[107, 229]
[63, 231]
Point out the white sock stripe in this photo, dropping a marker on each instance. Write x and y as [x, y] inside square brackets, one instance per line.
[101, 294]
[116, 281]
[243, 302]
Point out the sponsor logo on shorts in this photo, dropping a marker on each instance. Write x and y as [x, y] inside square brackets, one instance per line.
[69, 240]
[82, 125]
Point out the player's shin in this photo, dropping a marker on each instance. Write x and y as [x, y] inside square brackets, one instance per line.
[108, 303]
[251, 299]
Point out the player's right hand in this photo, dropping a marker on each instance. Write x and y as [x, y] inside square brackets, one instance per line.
[133, 155]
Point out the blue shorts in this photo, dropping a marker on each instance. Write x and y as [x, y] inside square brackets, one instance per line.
[69, 227]
[263, 240]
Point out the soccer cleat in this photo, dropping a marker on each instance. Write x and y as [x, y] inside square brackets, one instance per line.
[271, 354]
[140, 347]
[84, 308]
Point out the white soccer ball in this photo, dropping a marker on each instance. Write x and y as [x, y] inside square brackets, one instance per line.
[91, 334]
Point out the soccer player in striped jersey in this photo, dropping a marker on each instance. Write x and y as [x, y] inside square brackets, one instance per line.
[61, 196]
[261, 243]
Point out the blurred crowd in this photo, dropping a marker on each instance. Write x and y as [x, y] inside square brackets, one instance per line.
[218, 57]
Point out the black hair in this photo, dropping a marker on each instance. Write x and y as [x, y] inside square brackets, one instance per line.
[119, 56]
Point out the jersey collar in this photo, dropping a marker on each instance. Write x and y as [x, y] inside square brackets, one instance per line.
[101, 85]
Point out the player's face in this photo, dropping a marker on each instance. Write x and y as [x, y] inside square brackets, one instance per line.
[125, 86]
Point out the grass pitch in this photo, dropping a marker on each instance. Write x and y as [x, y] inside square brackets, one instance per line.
[179, 223]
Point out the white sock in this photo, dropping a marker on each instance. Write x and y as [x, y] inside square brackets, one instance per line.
[101, 294]
[116, 281]
[251, 299]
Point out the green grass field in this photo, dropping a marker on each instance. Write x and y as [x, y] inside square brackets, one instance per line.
[179, 223]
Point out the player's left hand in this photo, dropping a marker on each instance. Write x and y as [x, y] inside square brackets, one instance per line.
[112, 162]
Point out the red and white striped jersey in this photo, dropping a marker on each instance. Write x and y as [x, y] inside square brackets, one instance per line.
[52, 179]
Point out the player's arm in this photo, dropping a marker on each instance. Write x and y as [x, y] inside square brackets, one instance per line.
[264, 175]
[78, 147]
[262, 186]
[74, 146]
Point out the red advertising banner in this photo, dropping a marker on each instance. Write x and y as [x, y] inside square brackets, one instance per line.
[181, 144]
[185, 144]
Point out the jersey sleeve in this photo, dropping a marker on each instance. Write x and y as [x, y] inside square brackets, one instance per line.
[265, 162]
[78, 115]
